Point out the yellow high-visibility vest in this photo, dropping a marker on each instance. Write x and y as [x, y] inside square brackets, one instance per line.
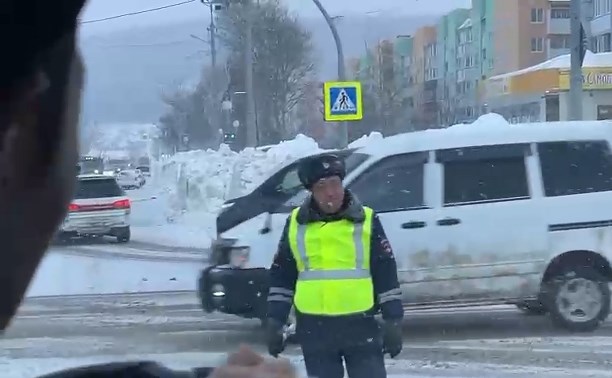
[333, 261]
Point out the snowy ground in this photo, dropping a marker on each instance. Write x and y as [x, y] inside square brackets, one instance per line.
[59, 332]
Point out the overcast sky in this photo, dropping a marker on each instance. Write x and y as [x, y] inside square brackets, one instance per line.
[106, 8]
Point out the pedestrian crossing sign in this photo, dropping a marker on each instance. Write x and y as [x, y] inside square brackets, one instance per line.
[343, 101]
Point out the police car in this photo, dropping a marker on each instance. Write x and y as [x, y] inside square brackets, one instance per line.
[475, 216]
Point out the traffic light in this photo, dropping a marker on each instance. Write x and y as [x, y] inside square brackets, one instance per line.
[229, 138]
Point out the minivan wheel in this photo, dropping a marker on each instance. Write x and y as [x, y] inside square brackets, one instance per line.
[578, 299]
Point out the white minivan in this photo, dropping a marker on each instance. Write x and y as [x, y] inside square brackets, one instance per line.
[476, 215]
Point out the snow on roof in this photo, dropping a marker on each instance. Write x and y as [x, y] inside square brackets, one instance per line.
[489, 129]
[564, 62]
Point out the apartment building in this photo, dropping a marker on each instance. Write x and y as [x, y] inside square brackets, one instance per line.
[448, 63]
[403, 81]
[599, 12]
[422, 71]
[469, 71]
[528, 32]
[452, 60]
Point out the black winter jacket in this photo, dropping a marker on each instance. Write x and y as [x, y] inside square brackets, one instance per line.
[352, 329]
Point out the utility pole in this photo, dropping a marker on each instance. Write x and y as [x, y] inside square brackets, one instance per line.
[212, 30]
[577, 56]
[250, 126]
[213, 41]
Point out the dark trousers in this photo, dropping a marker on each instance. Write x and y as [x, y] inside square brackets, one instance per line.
[362, 361]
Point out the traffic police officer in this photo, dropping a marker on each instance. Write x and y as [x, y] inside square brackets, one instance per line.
[335, 265]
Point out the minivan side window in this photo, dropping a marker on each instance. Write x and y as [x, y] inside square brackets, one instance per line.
[291, 182]
[575, 167]
[484, 174]
[393, 184]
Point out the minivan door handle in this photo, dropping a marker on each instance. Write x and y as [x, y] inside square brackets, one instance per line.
[413, 224]
[448, 222]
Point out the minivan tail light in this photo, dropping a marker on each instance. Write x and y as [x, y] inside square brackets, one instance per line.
[73, 207]
[122, 204]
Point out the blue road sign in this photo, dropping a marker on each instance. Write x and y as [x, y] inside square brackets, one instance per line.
[343, 101]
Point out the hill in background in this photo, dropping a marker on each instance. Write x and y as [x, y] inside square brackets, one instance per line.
[127, 71]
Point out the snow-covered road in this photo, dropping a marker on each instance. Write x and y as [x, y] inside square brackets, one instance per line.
[56, 332]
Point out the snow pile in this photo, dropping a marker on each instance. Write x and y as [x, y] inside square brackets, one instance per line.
[256, 166]
[202, 178]
[200, 181]
[374, 136]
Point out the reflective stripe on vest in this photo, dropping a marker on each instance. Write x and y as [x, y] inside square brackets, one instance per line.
[333, 261]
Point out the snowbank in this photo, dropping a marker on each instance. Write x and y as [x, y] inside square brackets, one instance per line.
[200, 181]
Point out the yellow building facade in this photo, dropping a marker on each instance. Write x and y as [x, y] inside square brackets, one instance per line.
[542, 94]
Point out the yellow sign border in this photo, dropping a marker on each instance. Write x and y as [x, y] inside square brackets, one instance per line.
[328, 116]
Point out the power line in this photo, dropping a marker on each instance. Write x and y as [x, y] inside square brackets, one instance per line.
[170, 43]
[137, 13]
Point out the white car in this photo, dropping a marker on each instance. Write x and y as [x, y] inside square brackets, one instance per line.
[476, 216]
[145, 170]
[100, 207]
[129, 179]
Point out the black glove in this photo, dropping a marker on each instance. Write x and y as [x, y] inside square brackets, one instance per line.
[392, 338]
[274, 337]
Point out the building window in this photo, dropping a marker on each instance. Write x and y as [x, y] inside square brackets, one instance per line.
[537, 15]
[603, 43]
[602, 7]
[559, 41]
[557, 13]
[537, 45]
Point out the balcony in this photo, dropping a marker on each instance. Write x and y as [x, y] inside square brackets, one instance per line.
[559, 47]
[558, 26]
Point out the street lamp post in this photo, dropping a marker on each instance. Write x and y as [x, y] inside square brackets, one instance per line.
[343, 130]
[250, 124]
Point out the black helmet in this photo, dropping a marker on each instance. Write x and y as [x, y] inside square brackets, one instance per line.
[313, 169]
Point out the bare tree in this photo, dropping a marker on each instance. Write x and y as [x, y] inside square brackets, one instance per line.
[194, 114]
[385, 93]
[282, 62]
